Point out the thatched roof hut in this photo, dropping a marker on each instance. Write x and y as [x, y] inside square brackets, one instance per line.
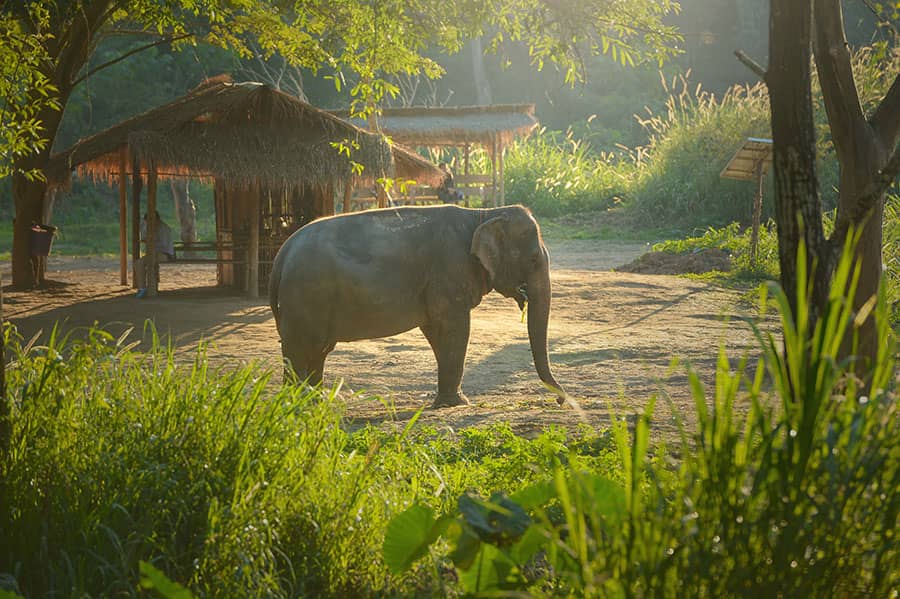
[248, 133]
[492, 127]
[276, 162]
[455, 125]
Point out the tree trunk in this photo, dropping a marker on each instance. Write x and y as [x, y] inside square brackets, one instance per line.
[29, 204]
[185, 210]
[5, 407]
[798, 212]
[863, 149]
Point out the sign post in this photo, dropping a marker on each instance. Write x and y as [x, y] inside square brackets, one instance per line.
[750, 163]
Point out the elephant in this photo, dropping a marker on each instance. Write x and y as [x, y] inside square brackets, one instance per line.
[378, 273]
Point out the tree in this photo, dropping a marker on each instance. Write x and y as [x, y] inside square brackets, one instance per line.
[866, 148]
[374, 40]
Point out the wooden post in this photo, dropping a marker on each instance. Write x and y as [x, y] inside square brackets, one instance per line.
[123, 217]
[253, 244]
[152, 268]
[494, 171]
[136, 184]
[502, 188]
[348, 194]
[5, 407]
[757, 213]
[328, 200]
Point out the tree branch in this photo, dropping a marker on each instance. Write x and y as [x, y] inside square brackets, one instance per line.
[886, 119]
[841, 98]
[867, 201]
[109, 63]
[751, 64]
[882, 21]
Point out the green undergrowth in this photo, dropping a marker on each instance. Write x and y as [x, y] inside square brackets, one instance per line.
[796, 494]
[745, 273]
[226, 483]
[129, 470]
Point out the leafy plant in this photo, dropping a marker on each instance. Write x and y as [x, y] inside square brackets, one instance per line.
[556, 173]
[795, 496]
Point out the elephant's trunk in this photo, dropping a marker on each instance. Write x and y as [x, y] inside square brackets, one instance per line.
[538, 288]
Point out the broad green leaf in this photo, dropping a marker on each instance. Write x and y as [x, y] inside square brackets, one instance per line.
[467, 547]
[499, 520]
[408, 536]
[153, 579]
[490, 572]
[534, 496]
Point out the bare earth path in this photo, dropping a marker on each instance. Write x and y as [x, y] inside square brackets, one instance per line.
[612, 338]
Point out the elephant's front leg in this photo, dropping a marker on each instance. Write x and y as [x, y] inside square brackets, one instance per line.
[449, 338]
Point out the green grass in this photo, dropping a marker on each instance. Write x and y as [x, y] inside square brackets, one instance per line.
[223, 481]
[606, 225]
[233, 486]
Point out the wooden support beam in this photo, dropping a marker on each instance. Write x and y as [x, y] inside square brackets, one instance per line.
[501, 177]
[136, 184]
[348, 193]
[152, 269]
[123, 217]
[253, 243]
[757, 213]
[494, 171]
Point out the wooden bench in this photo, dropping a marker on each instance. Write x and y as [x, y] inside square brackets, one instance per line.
[473, 187]
[187, 253]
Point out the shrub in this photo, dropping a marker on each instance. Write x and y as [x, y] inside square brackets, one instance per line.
[736, 242]
[554, 173]
[219, 479]
[689, 145]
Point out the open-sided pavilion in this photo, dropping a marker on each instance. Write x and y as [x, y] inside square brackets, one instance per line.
[491, 127]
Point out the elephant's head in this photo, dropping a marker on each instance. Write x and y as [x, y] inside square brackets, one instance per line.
[510, 248]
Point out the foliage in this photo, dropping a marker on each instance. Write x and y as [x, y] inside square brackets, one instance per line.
[796, 496]
[736, 242]
[554, 173]
[891, 256]
[690, 142]
[678, 171]
[371, 42]
[219, 479]
[25, 90]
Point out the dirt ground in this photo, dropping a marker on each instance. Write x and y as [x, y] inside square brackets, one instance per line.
[612, 339]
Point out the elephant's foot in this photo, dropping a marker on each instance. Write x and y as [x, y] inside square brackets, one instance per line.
[449, 400]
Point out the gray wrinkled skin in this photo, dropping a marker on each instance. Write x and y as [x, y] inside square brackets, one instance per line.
[382, 272]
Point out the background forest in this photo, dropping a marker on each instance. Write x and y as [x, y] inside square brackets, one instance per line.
[612, 139]
[629, 142]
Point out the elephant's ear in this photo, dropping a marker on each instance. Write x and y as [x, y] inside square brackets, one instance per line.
[488, 242]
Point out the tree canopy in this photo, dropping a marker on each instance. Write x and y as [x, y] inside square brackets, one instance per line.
[374, 39]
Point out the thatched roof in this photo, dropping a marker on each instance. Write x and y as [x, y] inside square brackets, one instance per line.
[422, 126]
[248, 133]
